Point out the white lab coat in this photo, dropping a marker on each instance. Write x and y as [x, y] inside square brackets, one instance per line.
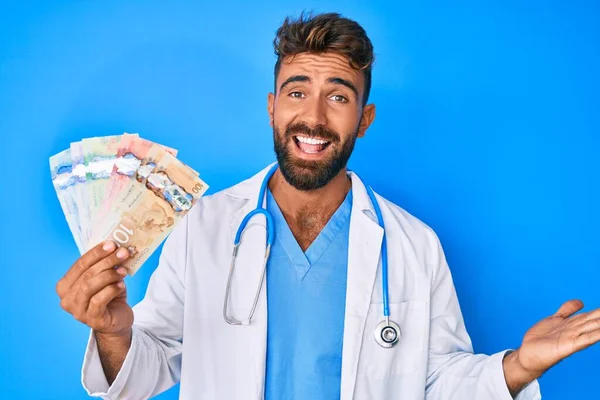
[179, 333]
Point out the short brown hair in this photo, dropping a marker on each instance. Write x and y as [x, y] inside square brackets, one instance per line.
[321, 33]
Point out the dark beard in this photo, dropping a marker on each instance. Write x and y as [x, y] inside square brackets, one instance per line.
[311, 175]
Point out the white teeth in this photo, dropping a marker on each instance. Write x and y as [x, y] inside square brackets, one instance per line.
[308, 140]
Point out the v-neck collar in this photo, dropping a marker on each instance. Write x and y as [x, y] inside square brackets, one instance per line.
[303, 261]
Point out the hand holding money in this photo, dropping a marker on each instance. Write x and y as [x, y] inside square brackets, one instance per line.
[93, 290]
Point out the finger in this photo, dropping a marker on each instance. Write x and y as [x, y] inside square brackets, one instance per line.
[587, 339]
[594, 314]
[569, 308]
[68, 303]
[99, 281]
[84, 262]
[88, 284]
[581, 319]
[106, 263]
[100, 300]
[589, 326]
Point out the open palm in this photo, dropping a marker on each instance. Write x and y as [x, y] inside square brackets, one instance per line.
[558, 336]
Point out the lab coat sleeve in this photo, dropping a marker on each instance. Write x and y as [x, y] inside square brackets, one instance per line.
[454, 372]
[153, 362]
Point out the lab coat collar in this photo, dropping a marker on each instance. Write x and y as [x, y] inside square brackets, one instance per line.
[248, 189]
[364, 250]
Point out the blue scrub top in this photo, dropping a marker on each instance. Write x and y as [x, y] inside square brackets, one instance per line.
[306, 297]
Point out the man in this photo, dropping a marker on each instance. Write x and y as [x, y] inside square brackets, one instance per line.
[313, 331]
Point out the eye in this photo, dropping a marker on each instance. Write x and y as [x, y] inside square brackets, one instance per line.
[338, 98]
[297, 95]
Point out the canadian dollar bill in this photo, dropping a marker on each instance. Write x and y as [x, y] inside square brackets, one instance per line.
[99, 154]
[80, 192]
[61, 170]
[131, 154]
[126, 189]
[162, 193]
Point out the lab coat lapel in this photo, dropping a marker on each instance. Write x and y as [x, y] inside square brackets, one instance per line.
[246, 278]
[364, 249]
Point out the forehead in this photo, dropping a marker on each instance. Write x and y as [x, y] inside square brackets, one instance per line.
[320, 67]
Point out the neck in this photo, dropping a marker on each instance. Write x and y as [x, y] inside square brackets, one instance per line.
[294, 202]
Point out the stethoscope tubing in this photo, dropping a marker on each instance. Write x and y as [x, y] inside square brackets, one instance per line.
[384, 326]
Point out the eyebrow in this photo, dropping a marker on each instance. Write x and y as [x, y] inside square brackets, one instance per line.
[335, 81]
[294, 78]
[348, 84]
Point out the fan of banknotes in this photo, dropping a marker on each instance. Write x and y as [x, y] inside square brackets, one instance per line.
[126, 189]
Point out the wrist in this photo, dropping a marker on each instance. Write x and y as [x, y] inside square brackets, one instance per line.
[516, 376]
[113, 349]
[120, 337]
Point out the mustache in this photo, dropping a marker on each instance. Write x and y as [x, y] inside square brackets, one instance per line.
[319, 131]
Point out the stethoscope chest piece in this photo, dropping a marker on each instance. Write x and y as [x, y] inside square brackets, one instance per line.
[387, 334]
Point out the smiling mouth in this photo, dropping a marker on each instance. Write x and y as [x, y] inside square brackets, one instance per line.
[310, 145]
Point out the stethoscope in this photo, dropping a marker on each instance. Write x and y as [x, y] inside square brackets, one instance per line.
[387, 333]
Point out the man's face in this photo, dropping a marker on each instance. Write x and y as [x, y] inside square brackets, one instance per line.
[316, 115]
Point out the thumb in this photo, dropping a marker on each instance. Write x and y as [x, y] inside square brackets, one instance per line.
[569, 308]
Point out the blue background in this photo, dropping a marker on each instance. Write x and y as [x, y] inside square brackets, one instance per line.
[487, 129]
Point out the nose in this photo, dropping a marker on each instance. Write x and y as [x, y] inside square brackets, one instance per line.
[315, 113]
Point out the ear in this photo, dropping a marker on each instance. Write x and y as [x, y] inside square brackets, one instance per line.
[368, 115]
[271, 107]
